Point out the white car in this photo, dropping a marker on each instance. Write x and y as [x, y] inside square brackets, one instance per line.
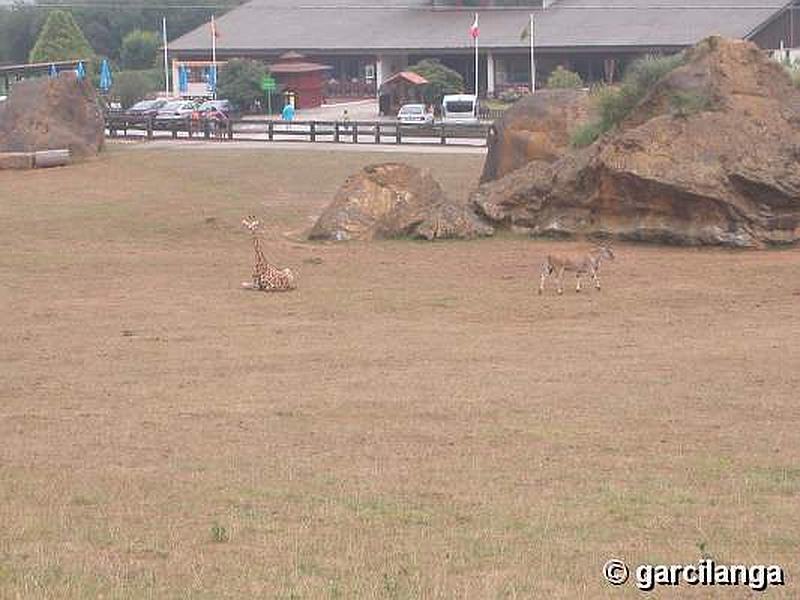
[460, 108]
[414, 114]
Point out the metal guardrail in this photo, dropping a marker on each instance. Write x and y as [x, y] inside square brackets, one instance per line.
[356, 132]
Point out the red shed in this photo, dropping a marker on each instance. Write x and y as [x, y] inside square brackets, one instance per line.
[301, 79]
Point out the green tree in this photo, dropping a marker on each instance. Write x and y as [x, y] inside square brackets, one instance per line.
[562, 78]
[441, 80]
[19, 24]
[240, 81]
[132, 86]
[61, 39]
[139, 49]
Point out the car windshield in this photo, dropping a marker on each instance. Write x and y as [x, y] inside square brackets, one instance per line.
[412, 110]
[173, 105]
[144, 105]
[459, 106]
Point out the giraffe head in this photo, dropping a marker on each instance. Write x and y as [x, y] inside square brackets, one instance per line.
[252, 223]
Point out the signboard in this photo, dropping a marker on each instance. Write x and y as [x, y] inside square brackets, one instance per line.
[268, 84]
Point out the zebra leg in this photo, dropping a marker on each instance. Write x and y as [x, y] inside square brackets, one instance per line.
[561, 281]
[596, 279]
[578, 285]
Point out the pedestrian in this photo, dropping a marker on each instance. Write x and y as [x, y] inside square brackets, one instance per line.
[287, 114]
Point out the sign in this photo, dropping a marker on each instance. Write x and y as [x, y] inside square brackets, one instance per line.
[268, 84]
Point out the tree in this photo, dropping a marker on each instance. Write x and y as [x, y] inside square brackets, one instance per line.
[19, 24]
[61, 39]
[240, 81]
[562, 78]
[441, 80]
[132, 86]
[139, 49]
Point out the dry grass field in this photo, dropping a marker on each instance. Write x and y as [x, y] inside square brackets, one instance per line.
[414, 422]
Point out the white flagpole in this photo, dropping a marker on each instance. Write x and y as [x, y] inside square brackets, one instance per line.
[166, 58]
[214, 53]
[477, 80]
[533, 61]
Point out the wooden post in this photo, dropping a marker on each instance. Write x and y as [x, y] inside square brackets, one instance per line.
[190, 126]
[313, 127]
[355, 133]
[230, 129]
[398, 136]
[377, 132]
[149, 128]
[206, 129]
[444, 135]
[271, 130]
[336, 132]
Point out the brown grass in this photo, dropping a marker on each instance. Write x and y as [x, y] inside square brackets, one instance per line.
[414, 422]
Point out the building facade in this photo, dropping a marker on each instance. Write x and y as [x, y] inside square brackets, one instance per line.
[364, 44]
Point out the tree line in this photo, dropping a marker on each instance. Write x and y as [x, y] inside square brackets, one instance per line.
[104, 23]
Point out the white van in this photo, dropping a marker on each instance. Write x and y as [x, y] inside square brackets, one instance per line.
[460, 108]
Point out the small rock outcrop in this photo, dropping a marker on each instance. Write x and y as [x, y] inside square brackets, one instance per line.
[393, 200]
[52, 114]
[726, 171]
[536, 127]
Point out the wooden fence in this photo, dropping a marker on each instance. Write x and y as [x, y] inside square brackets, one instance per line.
[268, 130]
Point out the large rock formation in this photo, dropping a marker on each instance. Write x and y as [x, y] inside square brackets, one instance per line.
[394, 200]
[52, 114]
[536, 127]
[723, 172]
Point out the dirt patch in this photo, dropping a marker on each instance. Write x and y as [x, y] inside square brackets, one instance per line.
[414, 422]
[52, 114]
[710, 156]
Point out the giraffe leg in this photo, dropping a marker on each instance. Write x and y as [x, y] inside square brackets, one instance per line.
[596, 279]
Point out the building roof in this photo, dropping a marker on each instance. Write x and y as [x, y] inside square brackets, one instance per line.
[359, 25]
[408, 76]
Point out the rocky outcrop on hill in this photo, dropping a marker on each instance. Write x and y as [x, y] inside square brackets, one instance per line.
[536, 127]
[393, 200]
[725, 170]
[52, 114]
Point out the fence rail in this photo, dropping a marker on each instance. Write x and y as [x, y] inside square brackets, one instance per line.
[268, 130]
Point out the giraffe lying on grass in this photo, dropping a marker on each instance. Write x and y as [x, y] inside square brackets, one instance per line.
[587, 263]
[266, 277]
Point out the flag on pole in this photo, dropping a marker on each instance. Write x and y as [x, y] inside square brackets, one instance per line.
[527, 33]
[474, 31]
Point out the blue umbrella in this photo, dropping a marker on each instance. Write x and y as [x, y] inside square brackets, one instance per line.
[211, 78]
[106, 80]
[183, 79]
[53, 71]
[80, 70]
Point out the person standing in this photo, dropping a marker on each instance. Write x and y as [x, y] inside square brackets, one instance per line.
[287, 114]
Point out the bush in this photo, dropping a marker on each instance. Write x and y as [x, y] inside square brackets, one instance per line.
[687, 103]
[615, 104]
[139, 49]
[561, 78]
[442, 80]
[240, 82]
[131, 86]
[586, 134]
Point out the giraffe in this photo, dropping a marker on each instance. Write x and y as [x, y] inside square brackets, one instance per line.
[266, 277]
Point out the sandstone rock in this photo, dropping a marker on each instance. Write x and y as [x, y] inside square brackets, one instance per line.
[536, 127]
[52, 114]
[393, 200]
[727, 174]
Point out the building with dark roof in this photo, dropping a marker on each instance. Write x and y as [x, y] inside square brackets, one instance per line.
[365, 41]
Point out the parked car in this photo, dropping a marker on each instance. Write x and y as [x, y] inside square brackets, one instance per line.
[146, 108]
[460, 108]
[414, 114]
[211, 107]
[174, 111]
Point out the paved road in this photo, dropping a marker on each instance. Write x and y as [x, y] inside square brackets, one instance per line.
[184, 145]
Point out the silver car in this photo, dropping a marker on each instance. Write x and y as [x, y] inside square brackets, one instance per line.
[414, 114]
